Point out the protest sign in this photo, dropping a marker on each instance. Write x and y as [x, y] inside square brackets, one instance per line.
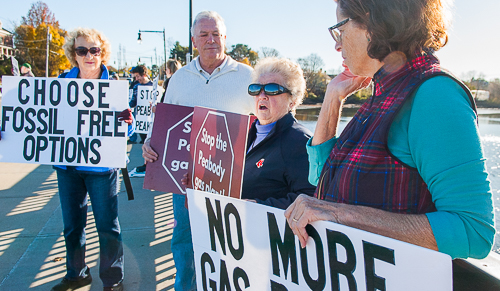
[240, 245]
[170, 139]
[15, 66]
[218, 144]
[155, 89]
[143, 117]
[63, 122]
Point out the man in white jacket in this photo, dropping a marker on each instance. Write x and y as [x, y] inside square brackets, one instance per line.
[211, 80]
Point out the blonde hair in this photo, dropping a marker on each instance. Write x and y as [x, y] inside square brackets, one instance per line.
[290, 71]
[88, 34]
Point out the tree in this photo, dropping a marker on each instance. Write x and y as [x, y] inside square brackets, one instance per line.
[179, 52]
[494, 89]
[268, 52]
[316, 78]
[243, 54]
[31, 41]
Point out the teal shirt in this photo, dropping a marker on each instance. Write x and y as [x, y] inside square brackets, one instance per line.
[436, 132]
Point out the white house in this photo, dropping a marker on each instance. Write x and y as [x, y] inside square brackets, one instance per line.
[6, 43]
[480, 95]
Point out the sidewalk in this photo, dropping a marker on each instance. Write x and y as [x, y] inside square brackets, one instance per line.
[32, 252]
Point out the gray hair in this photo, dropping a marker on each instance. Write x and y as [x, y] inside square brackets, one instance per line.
[290, 71]
[210, 15]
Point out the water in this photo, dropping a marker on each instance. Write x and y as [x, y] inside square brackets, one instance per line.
[489, 128]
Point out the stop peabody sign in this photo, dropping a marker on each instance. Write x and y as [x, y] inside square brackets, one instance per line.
[218, 143]
[170, 139]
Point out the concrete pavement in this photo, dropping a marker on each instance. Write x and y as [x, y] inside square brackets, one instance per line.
[32, 252]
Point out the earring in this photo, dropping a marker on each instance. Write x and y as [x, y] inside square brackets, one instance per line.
[368, 39]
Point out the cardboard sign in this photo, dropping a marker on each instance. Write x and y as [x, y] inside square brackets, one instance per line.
[15, 67]
[170, 139]
[146, 96]
[155, 89]
[218, 144]
[63, 122]
[240, 245]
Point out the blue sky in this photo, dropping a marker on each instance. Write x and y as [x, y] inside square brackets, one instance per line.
[295, 28]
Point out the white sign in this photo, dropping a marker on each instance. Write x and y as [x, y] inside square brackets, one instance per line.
[15, 66]
[146, 96]
[240, 245]
[155, 89]
[63, 122]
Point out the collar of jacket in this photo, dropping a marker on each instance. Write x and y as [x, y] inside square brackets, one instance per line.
[281, 125]
[384, 79]
[231, 66]
[75, 71]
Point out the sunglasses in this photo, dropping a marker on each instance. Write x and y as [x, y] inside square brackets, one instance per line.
[82, 51]
[271, 89]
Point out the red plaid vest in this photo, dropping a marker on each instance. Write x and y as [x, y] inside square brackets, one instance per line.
[360, 169]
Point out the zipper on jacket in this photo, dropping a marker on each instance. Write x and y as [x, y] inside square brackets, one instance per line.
[207, 81]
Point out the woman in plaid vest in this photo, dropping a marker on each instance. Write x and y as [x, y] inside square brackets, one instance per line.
[409, 165]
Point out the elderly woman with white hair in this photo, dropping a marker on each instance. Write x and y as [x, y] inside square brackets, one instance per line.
[276, 165]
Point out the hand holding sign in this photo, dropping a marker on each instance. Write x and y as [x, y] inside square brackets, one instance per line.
[126, 116]
[306, 210]
[148, 153]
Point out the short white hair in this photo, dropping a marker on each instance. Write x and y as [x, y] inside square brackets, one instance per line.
[210, 15]
[291, 72]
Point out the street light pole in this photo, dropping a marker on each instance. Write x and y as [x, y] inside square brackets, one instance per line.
[139, 40]
[47, 56]
[190, 24]
[164, 50]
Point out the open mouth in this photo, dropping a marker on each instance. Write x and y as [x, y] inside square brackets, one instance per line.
[262, 107]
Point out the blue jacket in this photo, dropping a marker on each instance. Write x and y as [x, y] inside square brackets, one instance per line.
[94, 170]
[133, 101]
[276, 169]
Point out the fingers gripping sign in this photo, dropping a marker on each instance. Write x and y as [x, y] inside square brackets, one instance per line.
[306, 210]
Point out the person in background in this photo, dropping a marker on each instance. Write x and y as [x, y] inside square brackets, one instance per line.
[276, 165]
[132, 139]
[213, 80]
[88, 50]
[114, 77]
[140, 74]
[26, 70]
[409, 165]
[171, 68]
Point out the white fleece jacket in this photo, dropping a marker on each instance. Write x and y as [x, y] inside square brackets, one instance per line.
[225, 89]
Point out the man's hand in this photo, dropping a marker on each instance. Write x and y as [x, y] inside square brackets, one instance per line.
[148, 153]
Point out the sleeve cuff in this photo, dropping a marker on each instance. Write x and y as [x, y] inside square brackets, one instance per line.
[317, 157]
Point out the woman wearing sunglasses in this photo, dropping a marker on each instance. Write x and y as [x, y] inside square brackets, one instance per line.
[276, 163]
[88, 50]
[409, 165]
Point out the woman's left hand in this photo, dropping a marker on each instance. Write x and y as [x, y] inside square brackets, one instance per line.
[305, 210]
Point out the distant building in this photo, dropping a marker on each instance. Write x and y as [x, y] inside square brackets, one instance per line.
[480, 95]
[6, 43]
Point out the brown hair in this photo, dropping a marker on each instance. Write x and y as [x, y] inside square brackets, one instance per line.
[88, 34]
[173, 65]
[141, 70]
[399, 25]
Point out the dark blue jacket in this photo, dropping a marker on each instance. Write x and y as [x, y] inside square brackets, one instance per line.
[276, 169]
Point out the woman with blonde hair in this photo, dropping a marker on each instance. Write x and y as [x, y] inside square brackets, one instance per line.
[172, 67]
[88, 50]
